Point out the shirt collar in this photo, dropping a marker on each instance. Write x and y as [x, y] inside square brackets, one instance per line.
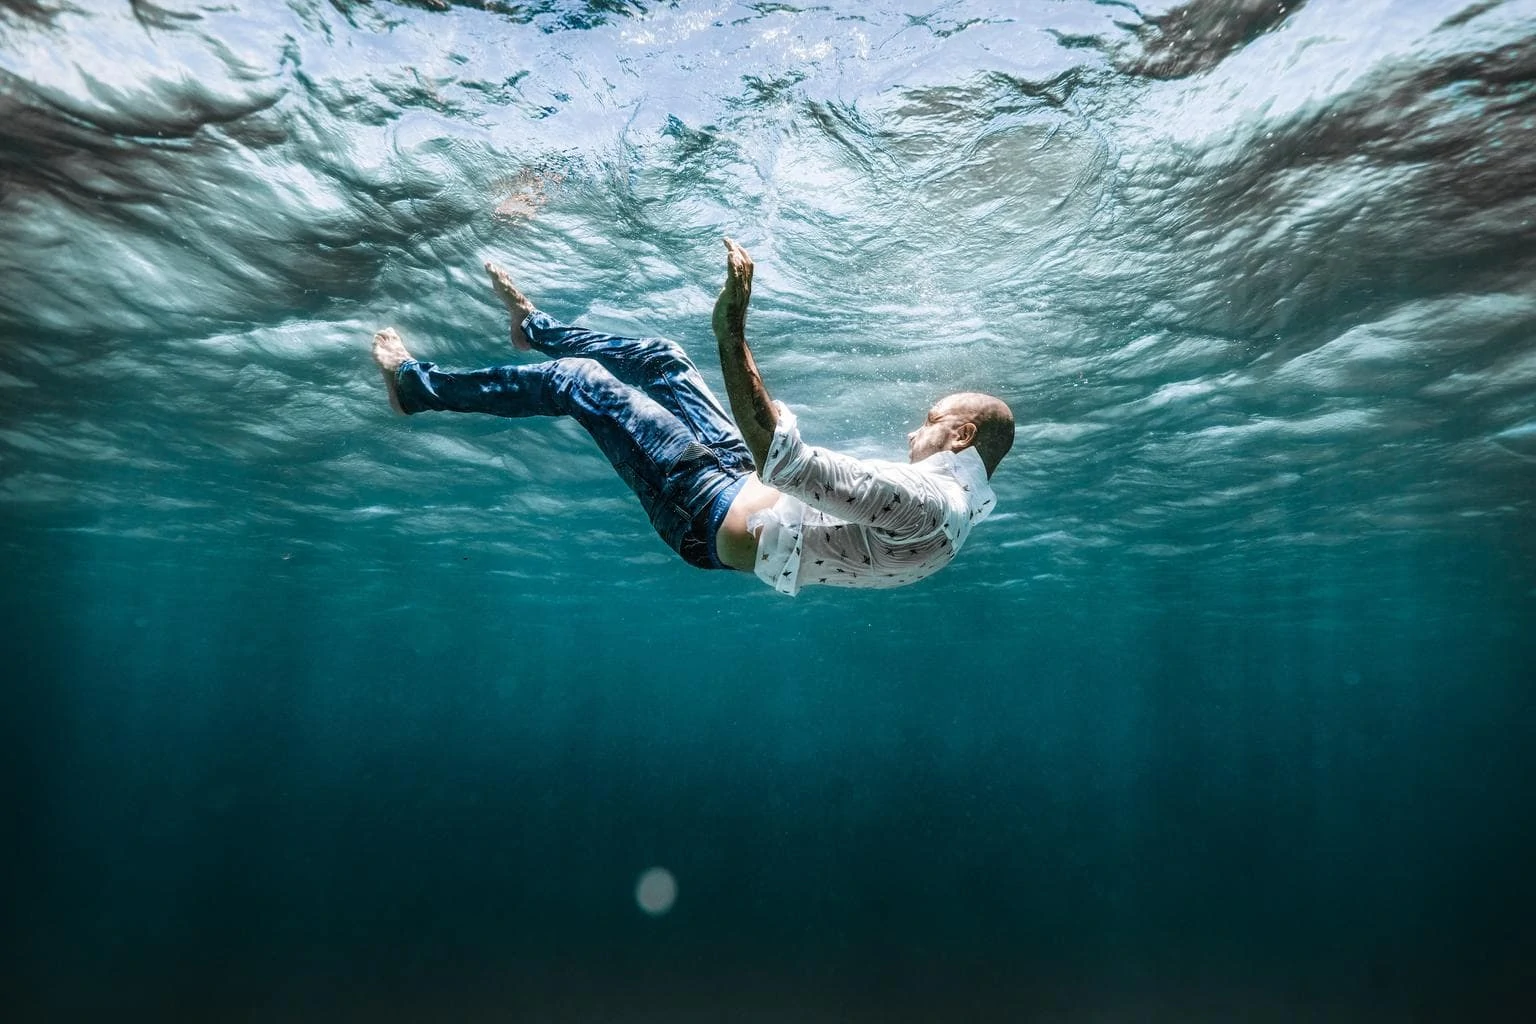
[967, 467]
[971, 470]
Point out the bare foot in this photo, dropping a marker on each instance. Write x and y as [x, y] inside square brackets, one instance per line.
[516, 302]
[389, 352]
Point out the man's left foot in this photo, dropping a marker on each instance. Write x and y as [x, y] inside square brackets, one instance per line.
[516, 302]
[389, 352]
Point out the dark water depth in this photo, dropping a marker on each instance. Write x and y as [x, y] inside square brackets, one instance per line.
[316, 713]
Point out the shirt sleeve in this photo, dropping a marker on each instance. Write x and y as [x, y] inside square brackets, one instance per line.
[875, 494]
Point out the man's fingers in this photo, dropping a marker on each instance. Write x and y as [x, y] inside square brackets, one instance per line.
[738, 264]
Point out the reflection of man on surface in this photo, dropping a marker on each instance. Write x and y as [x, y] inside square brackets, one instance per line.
[815, 516]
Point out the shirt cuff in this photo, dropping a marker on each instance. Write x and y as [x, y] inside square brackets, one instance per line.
[784, 447]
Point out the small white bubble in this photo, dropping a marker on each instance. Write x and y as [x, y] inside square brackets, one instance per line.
[656, 891]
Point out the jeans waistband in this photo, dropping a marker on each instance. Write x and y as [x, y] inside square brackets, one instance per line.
[717, 513]
[697, 542]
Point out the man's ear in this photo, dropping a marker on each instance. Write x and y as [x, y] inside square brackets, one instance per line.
[966, 435]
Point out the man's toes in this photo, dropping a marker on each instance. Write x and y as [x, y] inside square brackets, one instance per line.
[388, 349]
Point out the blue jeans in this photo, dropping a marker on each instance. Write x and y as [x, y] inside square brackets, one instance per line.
[642, 400]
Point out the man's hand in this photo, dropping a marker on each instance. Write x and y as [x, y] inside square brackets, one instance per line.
[750, 403]
[730, 319]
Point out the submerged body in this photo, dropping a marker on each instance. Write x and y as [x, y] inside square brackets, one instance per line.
[849, 522]
[749, 495]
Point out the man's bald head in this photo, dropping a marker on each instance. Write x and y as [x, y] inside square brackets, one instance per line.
[994, 425]
[969, 419]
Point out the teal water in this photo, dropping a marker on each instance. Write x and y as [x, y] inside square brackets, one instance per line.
[314, 713]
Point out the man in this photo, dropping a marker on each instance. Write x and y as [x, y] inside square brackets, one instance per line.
[757, 499]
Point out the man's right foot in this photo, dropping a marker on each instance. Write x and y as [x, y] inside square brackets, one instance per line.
[389, 352]
[516, 302]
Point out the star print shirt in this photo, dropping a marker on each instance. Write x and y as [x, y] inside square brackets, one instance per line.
[862, 522]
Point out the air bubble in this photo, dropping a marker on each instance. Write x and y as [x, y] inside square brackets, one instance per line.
[656, 891]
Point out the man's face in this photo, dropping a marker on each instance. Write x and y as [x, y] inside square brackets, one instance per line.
[939, 431]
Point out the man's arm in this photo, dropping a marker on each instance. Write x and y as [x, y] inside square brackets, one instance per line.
[750, 403]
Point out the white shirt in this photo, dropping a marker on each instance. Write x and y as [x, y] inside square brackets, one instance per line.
[850, 522]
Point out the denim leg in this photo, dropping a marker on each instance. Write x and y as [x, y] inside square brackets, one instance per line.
[671, 472]
[658, 367]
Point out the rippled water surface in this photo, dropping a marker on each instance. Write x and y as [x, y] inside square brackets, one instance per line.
[322, 713]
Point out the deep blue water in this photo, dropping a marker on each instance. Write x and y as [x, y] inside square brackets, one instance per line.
[314, 714]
